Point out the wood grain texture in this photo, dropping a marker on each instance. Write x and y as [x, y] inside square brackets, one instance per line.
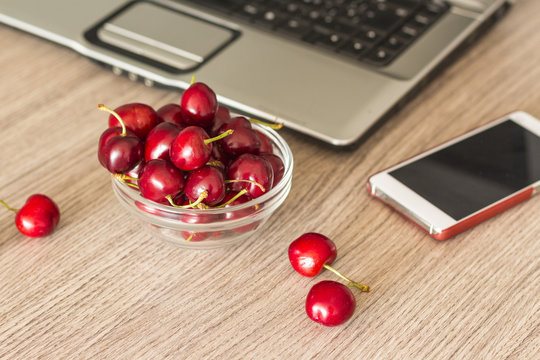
[102, 288]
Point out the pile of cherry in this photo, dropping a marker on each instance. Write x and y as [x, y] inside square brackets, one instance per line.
[191, 155]
[329, 303]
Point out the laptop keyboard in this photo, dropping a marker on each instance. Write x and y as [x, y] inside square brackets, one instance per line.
[370, 31]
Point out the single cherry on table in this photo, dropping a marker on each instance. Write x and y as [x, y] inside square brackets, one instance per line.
[330, 303]
[310, 252]
[38, 217]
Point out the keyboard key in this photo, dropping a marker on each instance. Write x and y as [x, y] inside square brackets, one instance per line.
[422, 19]
[251, 9]
[271, 18]
[395, 43]
[370, 35]
[402, 12]
[296, 27]
[322, 35]
[379, 56]
[436, 7]
[354, 47]
[332, 41]
[409, 32]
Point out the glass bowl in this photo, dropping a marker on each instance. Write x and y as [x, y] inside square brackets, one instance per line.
[210, 228]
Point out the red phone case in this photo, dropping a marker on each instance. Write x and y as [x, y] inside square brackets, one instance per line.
[470, 221]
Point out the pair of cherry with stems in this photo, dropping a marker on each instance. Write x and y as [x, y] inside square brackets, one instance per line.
[329, 303]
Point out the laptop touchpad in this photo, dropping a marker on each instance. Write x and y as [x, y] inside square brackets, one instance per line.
[164, 36]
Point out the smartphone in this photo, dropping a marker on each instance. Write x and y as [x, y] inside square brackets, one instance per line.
[467, 180]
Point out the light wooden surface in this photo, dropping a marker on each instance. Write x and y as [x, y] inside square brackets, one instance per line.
[101, 288]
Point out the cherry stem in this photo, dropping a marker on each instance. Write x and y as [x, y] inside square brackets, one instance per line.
[123, 178]
[8, 207]
[192, 80]
[216, 163]
[199, 200]
[351, 283]
[219, 137]
[248, 181]
[275, 126]
[190, 237]
[240, 193]
[115, 114]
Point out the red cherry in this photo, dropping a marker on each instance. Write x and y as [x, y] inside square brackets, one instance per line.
[196, 236]
[38, 217]
[139, 118]
[239, 213]
[219, 155]
[222, 117]
[132, 176]
[198, 218]
[189, 151]
[160, 179]
[107, 135]
[330, 303]
[192, 147]
[153, 210]
[208, 180]
[277, 166]
[171, 113]
[158, 141]
[250, 172]
[122, 153]
[266, 143]
[241, 141]
[310, 252]
[199, 105]
[237, 121]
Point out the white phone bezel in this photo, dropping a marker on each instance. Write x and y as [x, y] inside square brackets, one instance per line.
[424, 213]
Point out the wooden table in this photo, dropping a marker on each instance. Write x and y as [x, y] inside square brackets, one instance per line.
[101, 288]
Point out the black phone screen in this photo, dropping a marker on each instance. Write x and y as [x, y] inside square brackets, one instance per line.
[477, 171]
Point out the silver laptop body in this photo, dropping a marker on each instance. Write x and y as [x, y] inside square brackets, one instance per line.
[332, 98]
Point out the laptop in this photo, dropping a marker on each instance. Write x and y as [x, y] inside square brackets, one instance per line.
[331, 69]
